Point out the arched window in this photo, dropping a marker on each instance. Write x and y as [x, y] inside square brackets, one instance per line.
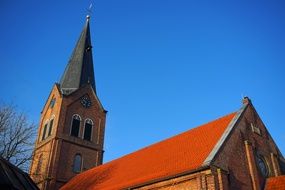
[44, 131]
[262, 165]
[88, 129]
[75, 125]
[39, 165]
[77, 163]
[50, 127]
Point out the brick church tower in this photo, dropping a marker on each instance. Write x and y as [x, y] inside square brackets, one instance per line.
[72, 124]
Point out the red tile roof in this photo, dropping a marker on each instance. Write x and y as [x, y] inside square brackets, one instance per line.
[178, 154]
[275, 183]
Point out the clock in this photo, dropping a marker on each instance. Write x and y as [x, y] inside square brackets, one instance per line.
[85, 101]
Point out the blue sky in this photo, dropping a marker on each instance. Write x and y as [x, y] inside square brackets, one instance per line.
[161, 67]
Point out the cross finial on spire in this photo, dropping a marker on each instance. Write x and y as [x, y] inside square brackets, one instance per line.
[89, 11]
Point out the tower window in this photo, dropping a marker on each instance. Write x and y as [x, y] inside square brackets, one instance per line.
[77, 163]
[44, 131]
[50, 127]
[75, 125]
[52, 102]
[88, 129]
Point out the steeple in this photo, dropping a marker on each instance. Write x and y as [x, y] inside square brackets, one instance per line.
[79, 70]
[72, 125]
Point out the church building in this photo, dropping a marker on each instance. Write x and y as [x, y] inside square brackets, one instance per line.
[233, 152]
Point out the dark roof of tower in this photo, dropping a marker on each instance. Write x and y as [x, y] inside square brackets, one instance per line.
[79, 70]
[11, 177]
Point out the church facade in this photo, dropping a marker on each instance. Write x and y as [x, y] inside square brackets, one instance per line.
[72, 124]
[235, 151]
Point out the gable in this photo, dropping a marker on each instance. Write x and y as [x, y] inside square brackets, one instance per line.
[85, 90]
[54, 93]
[50, 111]
[185, 152]
[72, 105]
[248, 141]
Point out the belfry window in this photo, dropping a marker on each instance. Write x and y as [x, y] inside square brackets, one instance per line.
[50, 127]
[44, 131]
[88, 129]
[75, 125]
[77, 163]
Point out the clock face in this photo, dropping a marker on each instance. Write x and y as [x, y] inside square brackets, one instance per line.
[85, 101]
[262, 165]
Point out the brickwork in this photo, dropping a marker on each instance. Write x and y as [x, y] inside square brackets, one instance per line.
[252, 166]
[220, 179]
[59, 149]
[224, 183]
[210, 182]
[196, 181]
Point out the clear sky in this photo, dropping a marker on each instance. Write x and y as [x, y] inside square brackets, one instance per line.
[161, 66]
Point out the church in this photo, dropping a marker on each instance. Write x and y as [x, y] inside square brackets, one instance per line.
[235, 151]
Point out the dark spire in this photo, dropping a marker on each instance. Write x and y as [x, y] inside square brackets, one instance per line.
[79, 70]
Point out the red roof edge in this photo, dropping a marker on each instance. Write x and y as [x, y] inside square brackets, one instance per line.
[275, 183]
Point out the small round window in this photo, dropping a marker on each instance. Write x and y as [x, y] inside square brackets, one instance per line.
[262, 165]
